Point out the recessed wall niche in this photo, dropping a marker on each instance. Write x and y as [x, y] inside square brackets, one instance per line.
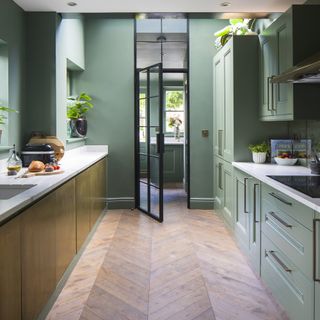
[4, 90]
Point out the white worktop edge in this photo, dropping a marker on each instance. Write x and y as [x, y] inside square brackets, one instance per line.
[262, 171]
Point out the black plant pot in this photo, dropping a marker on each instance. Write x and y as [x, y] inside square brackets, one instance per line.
[78, 128]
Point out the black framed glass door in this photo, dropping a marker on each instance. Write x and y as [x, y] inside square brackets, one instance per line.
[150, 141]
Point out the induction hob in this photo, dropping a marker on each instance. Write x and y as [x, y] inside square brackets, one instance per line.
[309, 185]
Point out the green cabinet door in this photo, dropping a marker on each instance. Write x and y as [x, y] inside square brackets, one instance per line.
[317, 283]
[218, 104]
[254, 199]
[228, 105]
[218, 184]
[241, 206]
[227, 176]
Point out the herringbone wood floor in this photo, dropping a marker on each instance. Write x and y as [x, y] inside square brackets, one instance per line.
[188, 268]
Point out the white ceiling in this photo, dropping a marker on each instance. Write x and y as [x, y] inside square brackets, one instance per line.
[157, 5]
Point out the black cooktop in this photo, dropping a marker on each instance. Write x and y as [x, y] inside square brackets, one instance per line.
[309, 185]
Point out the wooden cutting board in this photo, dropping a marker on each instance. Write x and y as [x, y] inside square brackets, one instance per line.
[28, 174]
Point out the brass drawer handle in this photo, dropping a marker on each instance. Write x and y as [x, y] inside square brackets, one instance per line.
[272, 214]
[278, 260]
[315, 249]
[280, 199]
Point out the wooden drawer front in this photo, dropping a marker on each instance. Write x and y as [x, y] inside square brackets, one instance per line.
[289, 235]
[293, 208]
[293, 290]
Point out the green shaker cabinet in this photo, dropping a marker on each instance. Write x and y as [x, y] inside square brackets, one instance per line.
[247, 216]
[317, 266]
[285, 43]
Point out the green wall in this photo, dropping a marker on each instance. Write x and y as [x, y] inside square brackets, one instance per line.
[12, 31]
[109, 79]
[41, 73]
[202, 51]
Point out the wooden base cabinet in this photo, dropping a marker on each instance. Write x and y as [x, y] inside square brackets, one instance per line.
[38, 249]
[10, 270]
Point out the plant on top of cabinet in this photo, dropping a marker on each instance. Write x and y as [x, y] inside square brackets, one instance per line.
[259, 152]
[77, 108]
[236, 27]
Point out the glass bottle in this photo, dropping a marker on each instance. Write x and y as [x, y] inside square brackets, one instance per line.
[14, 163]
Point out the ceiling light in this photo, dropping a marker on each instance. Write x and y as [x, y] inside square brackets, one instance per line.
[72, 4]
[225, 4]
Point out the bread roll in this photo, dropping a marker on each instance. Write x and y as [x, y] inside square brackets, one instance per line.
[36, 166]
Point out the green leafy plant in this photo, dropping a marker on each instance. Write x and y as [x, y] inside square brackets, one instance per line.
[78, 106]
[236, 27]
[257, 148]
[174, 99]
[3, 117]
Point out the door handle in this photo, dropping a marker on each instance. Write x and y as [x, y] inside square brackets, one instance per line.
[245, 195]
[316, 277]
[160, 143]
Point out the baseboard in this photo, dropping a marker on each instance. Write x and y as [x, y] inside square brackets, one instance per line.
[121, 203]
[201, 203]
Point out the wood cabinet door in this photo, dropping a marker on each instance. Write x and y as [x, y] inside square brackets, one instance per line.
[98, 190]
[83, 206]
[10, 270]
[38, 255]
[218, 104]
[65, 227]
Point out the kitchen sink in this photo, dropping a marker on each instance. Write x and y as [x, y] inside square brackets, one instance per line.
[8, 191]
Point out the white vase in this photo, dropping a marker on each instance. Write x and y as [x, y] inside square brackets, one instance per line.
[177, 133]
[259, 157]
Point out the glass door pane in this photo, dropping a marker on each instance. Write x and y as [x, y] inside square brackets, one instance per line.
[150, 142]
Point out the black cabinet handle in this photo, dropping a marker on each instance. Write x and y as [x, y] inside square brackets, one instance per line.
[280, 199]
[272, 214]
[278, 260]
[255, 187]
[315, 250]
[245, 180]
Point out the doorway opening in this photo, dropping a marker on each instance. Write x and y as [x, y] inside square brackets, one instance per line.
[162, 39]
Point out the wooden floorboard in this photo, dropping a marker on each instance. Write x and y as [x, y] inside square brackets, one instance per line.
[188, 268]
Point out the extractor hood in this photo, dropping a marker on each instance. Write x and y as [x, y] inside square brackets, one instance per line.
[307, 71]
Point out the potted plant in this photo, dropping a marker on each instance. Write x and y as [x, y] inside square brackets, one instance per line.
[236, 27]
[175, 123]
[259, 152]
[3, 117]
[77, 108]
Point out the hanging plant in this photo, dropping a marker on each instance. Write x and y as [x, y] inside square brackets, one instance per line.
[236, 27]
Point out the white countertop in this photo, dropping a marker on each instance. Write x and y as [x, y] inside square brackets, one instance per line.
[169, 141]
[262, 171]
[72, 163]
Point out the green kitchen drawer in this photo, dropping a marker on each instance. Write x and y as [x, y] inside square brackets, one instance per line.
[292, 289]
[293, 208]
[289, 235]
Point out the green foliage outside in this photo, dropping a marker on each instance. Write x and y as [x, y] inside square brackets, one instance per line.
[174, 99]
[2, 116]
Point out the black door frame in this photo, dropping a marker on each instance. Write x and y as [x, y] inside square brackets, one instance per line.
[136, 133]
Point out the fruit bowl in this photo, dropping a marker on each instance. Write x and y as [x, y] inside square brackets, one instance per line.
[285, 161]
